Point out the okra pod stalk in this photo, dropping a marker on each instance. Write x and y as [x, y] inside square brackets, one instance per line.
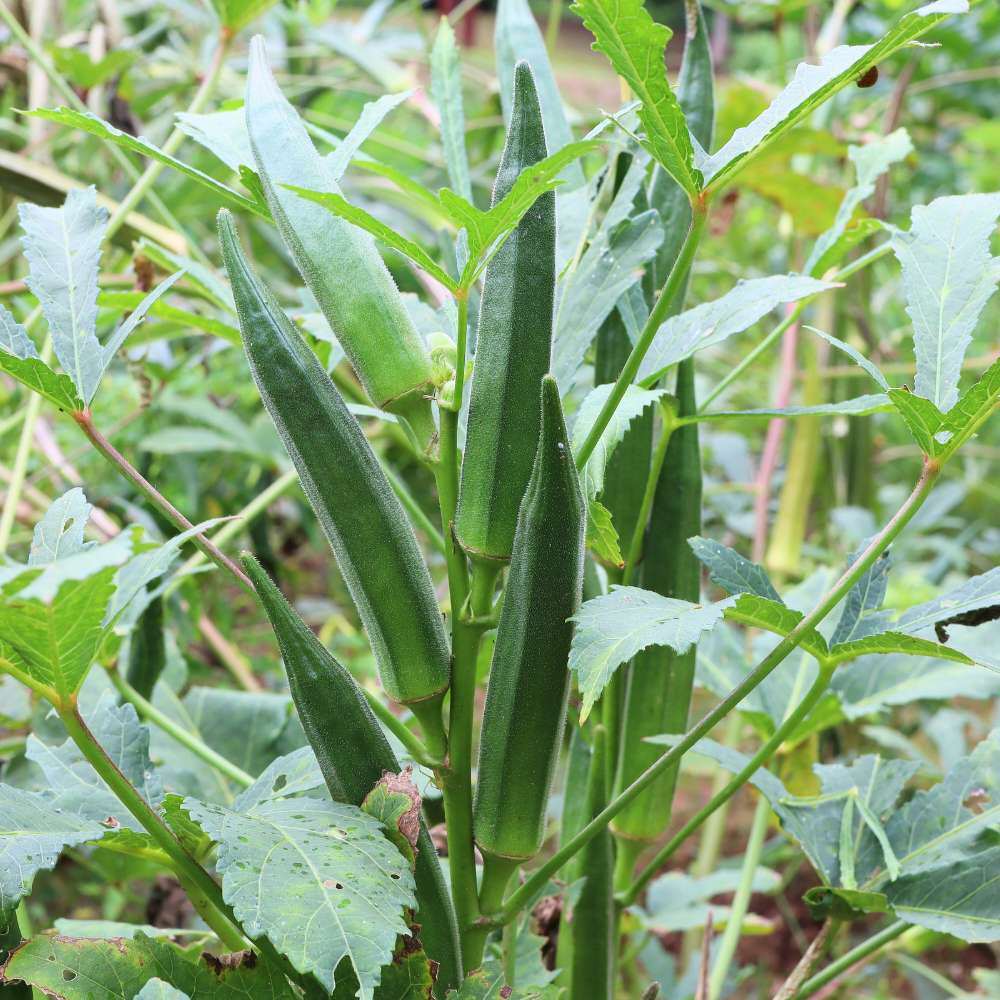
[353, 754]
[359, 513]
[529, 676]
[513, 349]
[340, 263]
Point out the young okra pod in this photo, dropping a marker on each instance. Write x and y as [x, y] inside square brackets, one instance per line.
[529, 677]
[359, 513]
[340, 263]
[513, 350]
[353, 754]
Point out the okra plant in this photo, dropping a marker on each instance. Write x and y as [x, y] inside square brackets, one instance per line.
[494, 810]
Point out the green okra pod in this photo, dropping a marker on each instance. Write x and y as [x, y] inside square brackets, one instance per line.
[513, 349]
[340, 263]
[529, 677]
[359, 513]
[353, 754]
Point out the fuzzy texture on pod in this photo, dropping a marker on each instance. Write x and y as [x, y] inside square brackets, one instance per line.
[340, 263]
[360, 515]
[529, 677]
[513, 349]
[353, 754]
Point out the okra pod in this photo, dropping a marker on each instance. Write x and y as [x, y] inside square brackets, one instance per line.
[529, 677]
[513, 349]
[353, 754]
[340, 263]
[359, 513]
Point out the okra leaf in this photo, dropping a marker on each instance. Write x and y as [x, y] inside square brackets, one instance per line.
[611, 264]
[406, 977]
[978, 593]
[921, 416]
[712, 322]
[34, 373]
[33, 833]
[967, 415]
[734, 573]
[602, 539]
[859, 406]
[949, 275]
[626, 33]
[174, 321]
[352, 884]
[372, 115]
[679, 902]
[223, 133]
[63, 250]
[59, 534]
[136, 316]
[871, 684]
[633, 403]
[75, 788]
[811, 86]
[894, 642]
[84, 121]
[338, 205]
[518, 37]
[446, 89]
[235, 15]
[761, 612]
[865, 597]
[489, 982]
[14, 338]
[856, 356]
[870, 161]
[83, 968]
[612, 628]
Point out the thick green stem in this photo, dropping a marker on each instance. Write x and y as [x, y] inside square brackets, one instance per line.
[759, 759]
[151, 713]
[639, 530]
[497, 873]
[401, 731]
[847, 961]
[204, 893]
[162, 504]
[780, 652]
[674, 283]
[741, 901]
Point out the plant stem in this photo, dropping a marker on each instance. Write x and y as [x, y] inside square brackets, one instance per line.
[741, 901]
[847, 961]
[201, 888]
[400, 730]
[649, 493]
[162, 504]
[151, 713]
[461, 347]
[257, 506]
[173, 141]
[674, 283]
[784, 648]
[760, 759]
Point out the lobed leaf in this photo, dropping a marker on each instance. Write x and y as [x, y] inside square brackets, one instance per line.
[446, 89]
[731, 571]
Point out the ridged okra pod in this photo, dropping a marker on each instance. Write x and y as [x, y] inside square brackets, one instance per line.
[529, 677]
[513, 349]
[359, 513]
[353, 754]
[340, 263]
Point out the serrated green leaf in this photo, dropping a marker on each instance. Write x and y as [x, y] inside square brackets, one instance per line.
[117, 969]
[870, 161]
[602, 539]
[969, 413]
[612, 628]
[980, 591]
[84, 121]
[893, 642]
[135, 317]
[859, 406]
[760, 612]
[732, 572]
[352, 883]
[949, 275]
[712, 322]
[33, 833]
[58, 389]
[811, 86]
[864, 598]
[237, 14]
[922, 418]
[626, 33]
[14, 338]
[59, 534]
[856, 356]
[372, 115]
[446, 89]
[178, 321]
[222, 133]
[679, 902]
[395, 803]
[633, 403]
[339, 206]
